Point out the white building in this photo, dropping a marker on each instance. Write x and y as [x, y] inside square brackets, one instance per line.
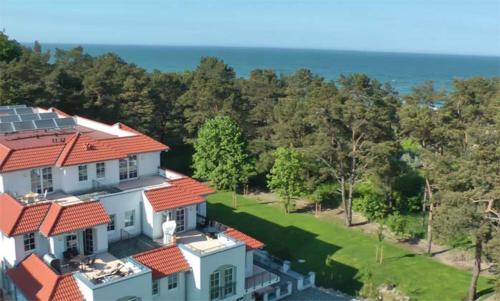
[86, 213]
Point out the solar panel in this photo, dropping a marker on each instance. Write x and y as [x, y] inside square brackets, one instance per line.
[47, 115]
[12, 107]
[6, 127]
[65, 122]
[9, 118]
[28, 117]
[23, 111]
[24, 125]
[7, 112]
[45, 124]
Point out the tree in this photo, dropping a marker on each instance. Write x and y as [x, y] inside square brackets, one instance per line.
[212, 92]
[9, 49]
[350, 129]
[286, 176]
[221, 154]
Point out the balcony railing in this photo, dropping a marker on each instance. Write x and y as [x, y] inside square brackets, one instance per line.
[222, 292]
[260, 280]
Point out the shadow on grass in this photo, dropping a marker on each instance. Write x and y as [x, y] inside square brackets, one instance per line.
[292, 243]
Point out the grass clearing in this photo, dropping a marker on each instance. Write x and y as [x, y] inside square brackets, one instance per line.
[342, 258]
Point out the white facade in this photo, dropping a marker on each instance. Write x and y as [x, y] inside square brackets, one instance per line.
[132, 215]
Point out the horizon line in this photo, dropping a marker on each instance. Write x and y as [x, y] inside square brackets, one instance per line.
[264, 47]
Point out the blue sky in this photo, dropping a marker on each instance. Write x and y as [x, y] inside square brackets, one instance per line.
[428, 26]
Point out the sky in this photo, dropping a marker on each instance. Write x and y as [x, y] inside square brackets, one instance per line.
[417, 26]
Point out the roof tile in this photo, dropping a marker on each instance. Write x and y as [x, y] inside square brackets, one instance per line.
[171, 197]
[37, 281]
[17, 219]
[62, 219]
[249, 241]
[163, 261]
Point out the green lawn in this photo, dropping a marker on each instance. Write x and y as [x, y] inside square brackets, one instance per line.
[302, 236]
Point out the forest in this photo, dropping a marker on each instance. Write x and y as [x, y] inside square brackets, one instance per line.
[353, 142]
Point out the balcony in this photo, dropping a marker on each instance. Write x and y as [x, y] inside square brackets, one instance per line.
[105, 269]
[260, 278]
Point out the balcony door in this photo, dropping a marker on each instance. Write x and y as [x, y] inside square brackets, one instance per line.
[88, 241]
[179, 216]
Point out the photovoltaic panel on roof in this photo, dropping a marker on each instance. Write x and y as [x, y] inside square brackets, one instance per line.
[6, 127]
[65, 122]
[23, 125]
[12, 107]
[23, 111]
[28, 117]
[9, 118]
[45, 124]
[7, 112]
[49, 115]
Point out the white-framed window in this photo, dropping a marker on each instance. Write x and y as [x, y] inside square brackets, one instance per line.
[82, 173]
[29, 241]
[172, 281]
[41, 180]
[100, 170]
[128, 167]
[71, 241]
[222, 283]
[112, 225]
[129, 218]
[156, 287]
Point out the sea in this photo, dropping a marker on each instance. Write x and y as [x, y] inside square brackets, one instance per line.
[402, 70]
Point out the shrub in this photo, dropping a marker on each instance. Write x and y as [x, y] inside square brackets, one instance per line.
[326, 194]
[372, 206]
[397, 224]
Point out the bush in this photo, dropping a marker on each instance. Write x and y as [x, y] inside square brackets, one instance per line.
[373, 207]
[397, 224]
[326, 194]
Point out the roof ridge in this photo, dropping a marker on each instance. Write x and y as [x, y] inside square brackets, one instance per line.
[59, 209]
[174, 245]
[60, 160]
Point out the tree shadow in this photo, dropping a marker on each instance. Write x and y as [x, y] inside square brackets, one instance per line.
[293, 243]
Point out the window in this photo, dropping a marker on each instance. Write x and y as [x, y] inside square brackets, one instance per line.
[172, 281]
[41, 180]
[132, 166]
[111, 225]
[129, 218]
[156, 287]
[214, 285]
[71, 241]
[128, 167]
[82, 173]
[29, 242]
[222, 283]
[100, 170]
[123, 169]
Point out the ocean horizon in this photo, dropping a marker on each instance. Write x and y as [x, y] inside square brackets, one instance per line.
[402, 70]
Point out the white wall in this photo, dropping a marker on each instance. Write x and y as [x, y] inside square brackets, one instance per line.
[13, 248]
[249, 263]
[198, 282]
[148, 163]
[132, 286]
[70, 181]
[19, 182]
[117, 204]
[101, 239]
[178, 293]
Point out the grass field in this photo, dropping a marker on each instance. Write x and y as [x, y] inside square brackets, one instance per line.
[342, 258]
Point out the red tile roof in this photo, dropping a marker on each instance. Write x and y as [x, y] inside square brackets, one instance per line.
[25, 150]
[37, 281]
[171, 197]
[135, 144]
[249, 241]
[82, 149]
[163, 261]
[63, 219]
[17, 219]
[192, 186]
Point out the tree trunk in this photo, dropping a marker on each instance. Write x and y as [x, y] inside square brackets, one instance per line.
[431, 212]
[344, 201]
[476, 271]
[235, 201]
[349, 203]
